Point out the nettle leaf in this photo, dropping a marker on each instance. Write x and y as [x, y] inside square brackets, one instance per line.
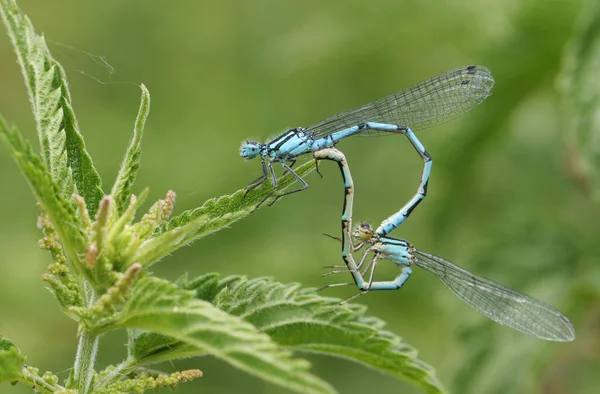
[226, 210]
[300, 320]
[121, 190]
[213, 216]
[62, 146]
[161, 307]
[159, 246]
[581, 88]
[60, 211]
[11, 361]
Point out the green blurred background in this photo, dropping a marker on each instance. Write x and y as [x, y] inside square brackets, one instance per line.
[504, 199]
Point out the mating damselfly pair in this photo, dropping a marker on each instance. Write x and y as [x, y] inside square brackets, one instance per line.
[429, 103]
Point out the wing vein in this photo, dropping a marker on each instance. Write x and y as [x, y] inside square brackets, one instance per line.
[426, 104]
[499, 303]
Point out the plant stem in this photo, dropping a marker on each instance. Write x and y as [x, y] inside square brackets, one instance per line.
[39, 384]
[83, 370]
[87, 350]
[124, 368]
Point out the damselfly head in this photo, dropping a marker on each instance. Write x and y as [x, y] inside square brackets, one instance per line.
[363, 231]
[249, 149]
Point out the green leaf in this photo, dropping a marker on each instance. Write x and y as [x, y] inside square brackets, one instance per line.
[226, 210]
[581, 89]
[62, 146]
[213, 216]
[121, 190]
[11, 361]
[61, 213]
[163, 308]
[301, 321]
[159, 246]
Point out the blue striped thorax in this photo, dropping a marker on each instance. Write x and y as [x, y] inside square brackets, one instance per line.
[396, 250]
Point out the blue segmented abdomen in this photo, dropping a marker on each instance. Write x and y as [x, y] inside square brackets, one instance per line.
[322, 143]
[330, 140]
[338, 135]
[414, 140]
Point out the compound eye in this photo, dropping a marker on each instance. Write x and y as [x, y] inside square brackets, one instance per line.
[250, 150]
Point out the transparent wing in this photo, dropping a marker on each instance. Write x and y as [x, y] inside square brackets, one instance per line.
[429, 103]
[499, 303]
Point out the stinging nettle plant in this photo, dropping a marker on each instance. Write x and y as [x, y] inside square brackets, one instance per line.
[100, 255]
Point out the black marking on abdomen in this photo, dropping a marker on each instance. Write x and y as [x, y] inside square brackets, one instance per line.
[409, 210]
